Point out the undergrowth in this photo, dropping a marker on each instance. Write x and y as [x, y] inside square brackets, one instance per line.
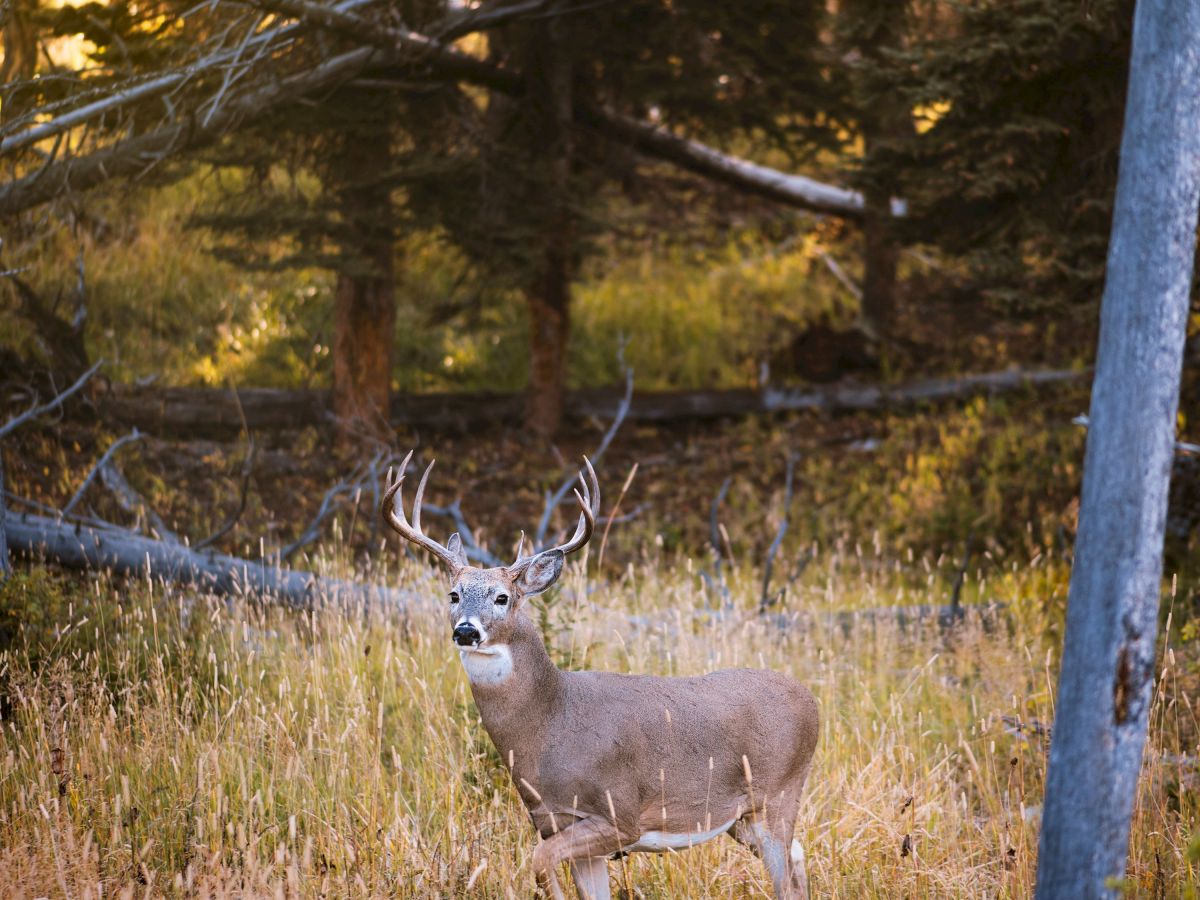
[155, 742]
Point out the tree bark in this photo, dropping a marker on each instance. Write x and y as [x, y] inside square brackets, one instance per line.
[548, 68]
[209, 413]
[549, 304]
[881, 253]
[1105, 686]
[365, 301]
[876, 28]
[127, 553]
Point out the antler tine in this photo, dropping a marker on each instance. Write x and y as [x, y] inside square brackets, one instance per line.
[393, 514]
[589, 506]
[397, 522]
[416, 516]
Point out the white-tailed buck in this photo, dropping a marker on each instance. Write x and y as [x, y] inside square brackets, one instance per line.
[610, 764]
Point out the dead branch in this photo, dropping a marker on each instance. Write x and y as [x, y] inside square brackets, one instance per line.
[132, 502]
[553, 501]
[716, 581]
[131, 156]
[363, 475]
[469, 20]
[17, 421]
[139, 89]
[766, 599]
[453, 511]
[1183, 447]
[243, 494]
[116, 445]
[413, 51]
[124, 552]
[206, 412]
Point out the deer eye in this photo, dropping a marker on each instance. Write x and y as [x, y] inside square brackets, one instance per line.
[454, 598]
[502, 599]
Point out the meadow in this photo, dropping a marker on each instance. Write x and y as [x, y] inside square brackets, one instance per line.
[159, 743]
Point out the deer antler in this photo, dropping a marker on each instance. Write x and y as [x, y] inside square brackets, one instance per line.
[589, 508]
[393, 514]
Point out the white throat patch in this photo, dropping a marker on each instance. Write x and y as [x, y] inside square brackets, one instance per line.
[490, 665]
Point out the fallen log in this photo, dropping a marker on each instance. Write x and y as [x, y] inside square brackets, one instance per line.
[83, 547]
[205, 412]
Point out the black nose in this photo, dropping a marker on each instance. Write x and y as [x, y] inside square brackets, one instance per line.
[466, 634]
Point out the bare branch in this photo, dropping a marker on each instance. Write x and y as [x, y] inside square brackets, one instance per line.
[470, 545]
[349, 487]
[839, 273]
[131, 156]
[243, 494]
[716, 581]
[116, 445]
[17, 421]
[766, 600]
[553, 501]
[135, 90]
[480, 18]
[133, 502]
[127, 553]
[1183, 447]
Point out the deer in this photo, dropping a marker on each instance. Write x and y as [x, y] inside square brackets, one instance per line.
[609, 764]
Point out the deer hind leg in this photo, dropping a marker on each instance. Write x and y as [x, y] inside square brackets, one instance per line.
[586, 845]
[782, 855]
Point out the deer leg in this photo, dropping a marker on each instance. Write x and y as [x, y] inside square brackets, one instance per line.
[591, 878]
[772, 842]
[583, 844]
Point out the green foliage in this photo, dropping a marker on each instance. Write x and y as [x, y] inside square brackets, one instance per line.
[1019, 109]
[35, 608]
[1009, 482]
[700, 318]
[159, 304]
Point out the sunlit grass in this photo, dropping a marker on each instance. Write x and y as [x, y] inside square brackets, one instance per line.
[160, 743]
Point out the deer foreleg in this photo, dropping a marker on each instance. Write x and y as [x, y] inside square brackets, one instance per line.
[587, 844]
[784, 863]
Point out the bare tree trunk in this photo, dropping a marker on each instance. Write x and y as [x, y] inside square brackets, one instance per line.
[128, 553]
[548, 69]
[1108, 657]
[365, 302]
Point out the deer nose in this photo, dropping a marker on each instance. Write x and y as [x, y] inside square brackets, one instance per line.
[466, 634]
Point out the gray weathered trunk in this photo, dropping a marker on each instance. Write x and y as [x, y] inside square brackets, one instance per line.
[1108, 657]
[122, 551]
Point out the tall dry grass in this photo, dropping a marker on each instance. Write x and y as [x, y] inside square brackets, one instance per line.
[157, 743]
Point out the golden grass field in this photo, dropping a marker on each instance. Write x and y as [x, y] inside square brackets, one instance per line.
[157, 743]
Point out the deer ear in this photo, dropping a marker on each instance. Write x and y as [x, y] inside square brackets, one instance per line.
[540, 572]
[454, 545]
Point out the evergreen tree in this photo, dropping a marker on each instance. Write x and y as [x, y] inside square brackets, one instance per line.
[1013, 166]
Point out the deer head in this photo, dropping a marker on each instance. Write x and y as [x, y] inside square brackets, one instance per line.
[484, 603]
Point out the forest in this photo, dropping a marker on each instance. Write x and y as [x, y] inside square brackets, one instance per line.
[876, 321]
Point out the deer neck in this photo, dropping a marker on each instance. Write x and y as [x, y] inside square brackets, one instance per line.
[515, 689]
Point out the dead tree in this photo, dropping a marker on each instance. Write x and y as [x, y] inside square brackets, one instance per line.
[1105, 686]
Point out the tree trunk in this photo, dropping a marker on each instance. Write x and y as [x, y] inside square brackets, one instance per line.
[548, 69]
[881, 252]
[1109, 653]
[365, 302]
[128, 553]
[549, 304]
[875, 28]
